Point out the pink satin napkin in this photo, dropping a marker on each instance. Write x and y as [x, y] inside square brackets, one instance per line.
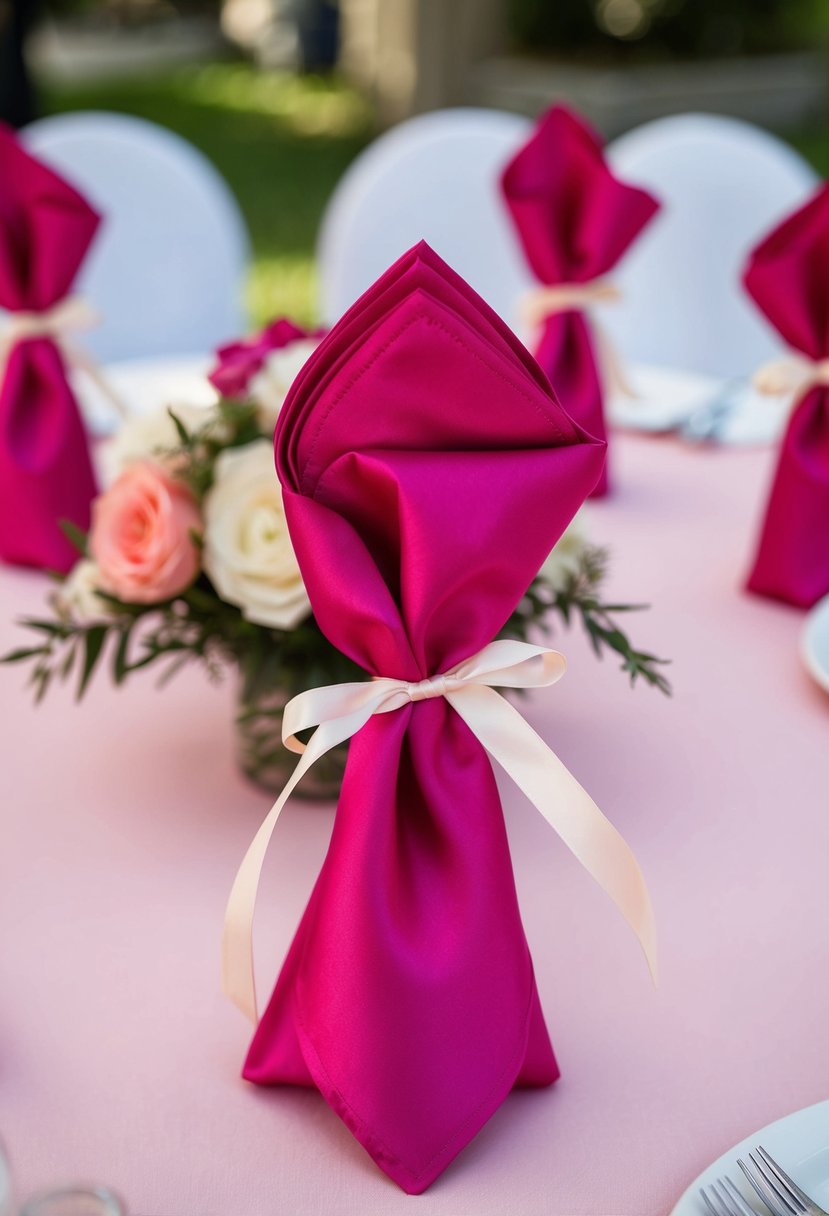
[788, 278]
[46, 474]
[427, 471]
[575, 220]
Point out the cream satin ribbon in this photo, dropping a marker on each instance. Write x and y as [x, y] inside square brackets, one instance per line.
[549, 299]
[792, 376]
[69, 316]
[339, 710]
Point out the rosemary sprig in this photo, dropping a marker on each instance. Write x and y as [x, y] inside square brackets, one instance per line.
[578, 597]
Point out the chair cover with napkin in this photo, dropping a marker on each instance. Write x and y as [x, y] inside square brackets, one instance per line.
[46, 474]
[427, 471]
[788, 278]
[575, 220]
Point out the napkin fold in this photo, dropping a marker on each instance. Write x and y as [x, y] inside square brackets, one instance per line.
[575, 220]
[427, 471]
[787, 276]
[46, 474]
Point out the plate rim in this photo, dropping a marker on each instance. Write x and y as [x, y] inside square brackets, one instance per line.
[682, 1208]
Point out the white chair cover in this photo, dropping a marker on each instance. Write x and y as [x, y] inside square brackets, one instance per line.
[723, 185]
[433, 177]
[167, 267]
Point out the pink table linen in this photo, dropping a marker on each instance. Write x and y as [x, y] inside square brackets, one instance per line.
[123, 822]
[46, 475]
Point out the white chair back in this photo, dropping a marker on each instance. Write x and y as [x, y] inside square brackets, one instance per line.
[723, 185]
[166, 270]
[434, 177]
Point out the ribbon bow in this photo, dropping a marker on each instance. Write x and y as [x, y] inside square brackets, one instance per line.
[549, 299]
[70, 315]
[338, 711]
[793, 375]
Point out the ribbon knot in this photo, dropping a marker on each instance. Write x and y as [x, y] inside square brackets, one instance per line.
[435, 686]
[547, 300]
[793, 375]
[71, 315]
[338, 711]
[68, 316]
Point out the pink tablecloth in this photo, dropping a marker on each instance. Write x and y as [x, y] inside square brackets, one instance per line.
[123, 822]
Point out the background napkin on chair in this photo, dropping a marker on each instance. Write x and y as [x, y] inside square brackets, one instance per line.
[788, 278]
[575, 220]
[427, 471]
[45, 470]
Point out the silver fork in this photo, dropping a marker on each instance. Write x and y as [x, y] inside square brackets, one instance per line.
[722, 1198]
[781, 1195]
[707, 421]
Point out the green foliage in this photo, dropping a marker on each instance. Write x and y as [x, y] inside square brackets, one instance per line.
[579, 598]
[74, 535]
[667, 28]
[233, 424]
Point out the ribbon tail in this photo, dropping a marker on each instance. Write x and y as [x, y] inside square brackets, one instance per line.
[85, 363]
[238, 979]
[566, 806]
[612, 370]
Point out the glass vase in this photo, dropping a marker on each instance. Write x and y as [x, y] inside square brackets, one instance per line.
[264, 759]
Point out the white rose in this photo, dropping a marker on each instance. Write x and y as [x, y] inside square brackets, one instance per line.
[77, 597]
[148, 436]
[247, 550]
[269, 387]
[565, 557]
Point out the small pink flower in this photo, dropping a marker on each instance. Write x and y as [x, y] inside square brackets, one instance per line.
[141, 536]
[240, 361]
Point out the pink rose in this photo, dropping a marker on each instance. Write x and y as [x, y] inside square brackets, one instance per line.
[141, 536]
[240, 361]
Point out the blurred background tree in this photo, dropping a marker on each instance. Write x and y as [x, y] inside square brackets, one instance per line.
[666, 28]
[16, 98]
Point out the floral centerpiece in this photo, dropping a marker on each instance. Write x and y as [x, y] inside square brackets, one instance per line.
[189, 557]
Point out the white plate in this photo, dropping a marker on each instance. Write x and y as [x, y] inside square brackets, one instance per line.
[814, 643]
[145, 385]
[666, 398]
[5, 1185]
[800, 1145]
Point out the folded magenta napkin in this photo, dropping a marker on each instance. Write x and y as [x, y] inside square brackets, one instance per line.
[788, 278]
[46, 474]
[427, 471]
[575, 220]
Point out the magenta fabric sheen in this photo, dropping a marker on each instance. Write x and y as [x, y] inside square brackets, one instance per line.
[46, 474]
[788, 278]
[427, 470]
[575, 220]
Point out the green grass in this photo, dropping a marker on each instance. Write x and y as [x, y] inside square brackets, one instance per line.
[814, 145]
[281, 142]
